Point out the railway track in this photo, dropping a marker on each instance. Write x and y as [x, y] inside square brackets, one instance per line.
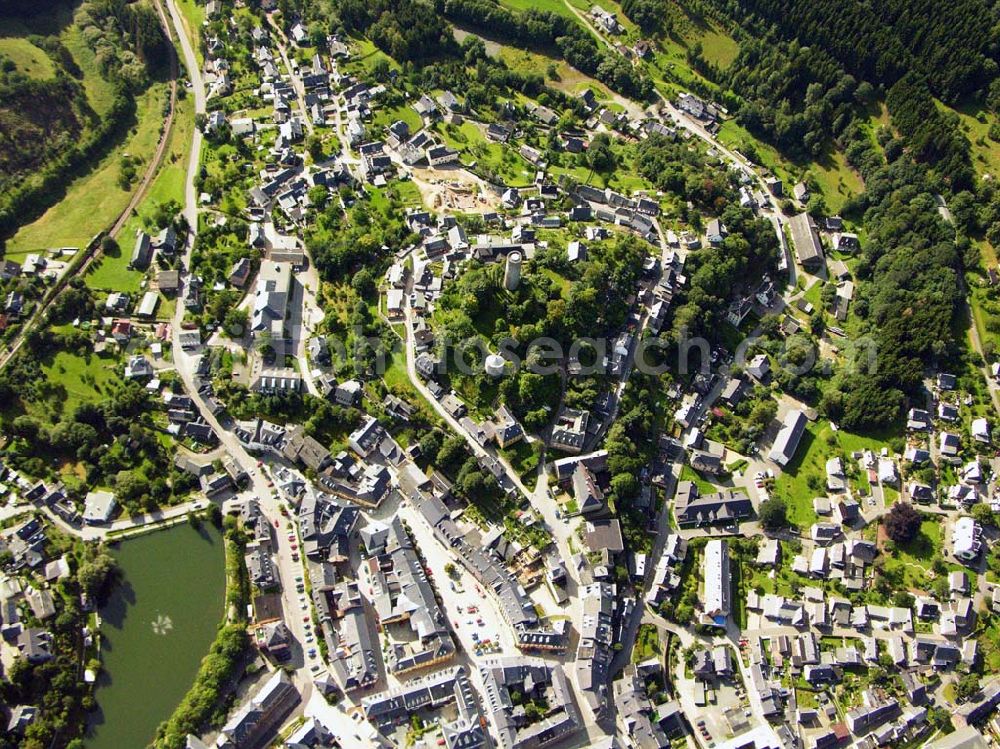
[92, 252]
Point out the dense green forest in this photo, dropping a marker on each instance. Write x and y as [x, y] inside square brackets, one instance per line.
[38, 121]
[407, 31]
[909, 291]
[650, 15]
[932, 135]
[952, 46]
[808, 77]
[794, 96]
[553, 32]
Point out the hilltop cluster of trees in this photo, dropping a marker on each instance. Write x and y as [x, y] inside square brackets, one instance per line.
[771, 78]
[451, 456]
[406, 30]
[933, 136]
[341, 243]
[538, 28]
[671, 166]
[717, 273]
[467, 309]
[649, 15]
[126, 37]
[595, 303]
[594, 306]
[954, 51]
[46, 124]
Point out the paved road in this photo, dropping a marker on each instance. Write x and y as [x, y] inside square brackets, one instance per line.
[282, 41]
[127, 526]
[418, 383]
[296, 608]
[11, 510]
[198, 88]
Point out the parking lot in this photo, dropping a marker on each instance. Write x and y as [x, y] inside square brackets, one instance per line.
[298, 607]
[724, 713]
[472, 612]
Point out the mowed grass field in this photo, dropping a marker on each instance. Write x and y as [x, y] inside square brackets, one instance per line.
[975, 123]
[28, 58]
[568, 79]
[94, 200]
[83, 379]
[100, 93]
[837, 180]
[558, 7]
[112, 272]
[193, 16]
[406, 113]
[367, 56]
[717, 46]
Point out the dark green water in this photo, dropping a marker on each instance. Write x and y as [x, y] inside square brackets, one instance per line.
[157, 626]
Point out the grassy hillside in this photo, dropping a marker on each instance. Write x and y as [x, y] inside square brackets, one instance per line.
[94, 200]
[43, 107]
[27, 58]
[100, 92]
[67, 112]
[112, 272]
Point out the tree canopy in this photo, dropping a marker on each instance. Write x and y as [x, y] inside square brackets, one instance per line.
[902, 523]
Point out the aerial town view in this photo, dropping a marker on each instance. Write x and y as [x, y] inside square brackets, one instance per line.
[499, 374]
